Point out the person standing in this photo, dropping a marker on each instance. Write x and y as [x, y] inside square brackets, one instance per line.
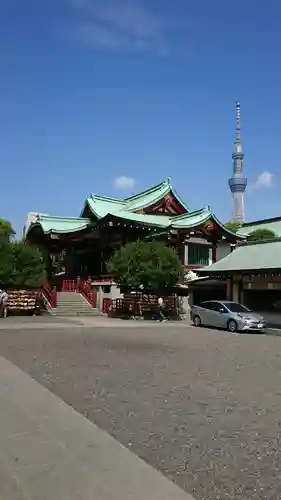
[161, 309]
[4, 298]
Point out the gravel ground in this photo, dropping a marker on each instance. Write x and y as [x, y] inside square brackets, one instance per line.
[201, 406]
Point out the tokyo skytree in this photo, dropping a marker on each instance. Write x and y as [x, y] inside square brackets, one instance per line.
[238, 182]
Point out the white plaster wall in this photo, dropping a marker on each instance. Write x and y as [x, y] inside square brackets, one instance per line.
[223, 249]
[115, 293]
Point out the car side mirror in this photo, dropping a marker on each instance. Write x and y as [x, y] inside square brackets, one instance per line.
[222, 311]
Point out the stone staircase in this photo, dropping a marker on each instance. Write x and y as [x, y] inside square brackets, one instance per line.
[73, 304]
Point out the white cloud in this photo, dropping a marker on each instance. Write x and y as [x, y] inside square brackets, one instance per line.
[93, 34]
[265, 180]
[117, 24]
[123, 183]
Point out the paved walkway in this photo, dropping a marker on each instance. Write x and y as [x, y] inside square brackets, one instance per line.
[16, 323]
[50, 452]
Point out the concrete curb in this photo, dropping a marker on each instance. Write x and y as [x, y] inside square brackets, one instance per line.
[48, 450]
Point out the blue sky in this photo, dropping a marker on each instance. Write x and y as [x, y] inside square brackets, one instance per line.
[95, 90]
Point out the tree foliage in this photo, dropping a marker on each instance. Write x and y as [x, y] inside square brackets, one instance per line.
[233, 226]
[6, 230]
[146, 265]
[21, 265]
[29, 266]
[261, 235]
[6, 263]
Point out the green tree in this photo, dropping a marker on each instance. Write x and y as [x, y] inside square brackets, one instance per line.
[146, 265]
[21, 265]
[29, 267]
[233, 226]
[261, 235]
[6, 263]
[6, 230]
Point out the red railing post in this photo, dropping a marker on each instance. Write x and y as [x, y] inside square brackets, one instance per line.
[50, 294]
[54, 297]
[85, 288]
[94, 299]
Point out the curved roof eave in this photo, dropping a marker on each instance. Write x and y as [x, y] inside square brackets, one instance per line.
[89, 206]
[200, 213]
[191, 223]
[160, 190]
[226, 230]
[145, 220]
[52, 229]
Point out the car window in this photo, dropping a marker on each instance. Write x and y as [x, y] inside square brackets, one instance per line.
[219, 307]
[208, 305]
[236, 307]
[205, 305]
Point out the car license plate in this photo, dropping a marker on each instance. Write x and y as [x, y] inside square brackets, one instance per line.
[260, 325]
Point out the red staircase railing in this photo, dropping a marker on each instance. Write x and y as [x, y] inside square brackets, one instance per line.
[69, 286]
[85, 288]
[50, 295]
[103, 278]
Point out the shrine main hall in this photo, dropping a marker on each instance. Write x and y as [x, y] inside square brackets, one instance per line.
[81, 246]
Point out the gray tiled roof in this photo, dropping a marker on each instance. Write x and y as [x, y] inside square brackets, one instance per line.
[248, 257]
[273, 225]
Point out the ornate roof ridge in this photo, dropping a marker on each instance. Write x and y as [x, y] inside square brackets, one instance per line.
[105, 198]
[192, 213]
[57, 217]
[164, 184]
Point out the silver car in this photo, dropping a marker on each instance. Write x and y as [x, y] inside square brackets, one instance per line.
[228, 315]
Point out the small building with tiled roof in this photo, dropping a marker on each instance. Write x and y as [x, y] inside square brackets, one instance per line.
[83, 245]
[272, 224]
[253, 273]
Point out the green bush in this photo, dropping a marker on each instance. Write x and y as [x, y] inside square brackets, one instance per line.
[151, 266]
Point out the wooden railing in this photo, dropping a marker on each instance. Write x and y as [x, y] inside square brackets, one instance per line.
[140, 304]
[85, 288]
[107, 306]
[50, 295]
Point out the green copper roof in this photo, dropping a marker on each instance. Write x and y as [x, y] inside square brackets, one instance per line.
[271, 224]
[191, 219]
[174, 222]
[105, 207]
[151, 196]
[198, 217]
[69, 225]
[100, 206]
[151, 220]
[248, 257]
[185, 221]
[60, 224]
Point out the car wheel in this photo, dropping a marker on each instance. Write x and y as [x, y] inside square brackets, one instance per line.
[197, 321]
[232, 326]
